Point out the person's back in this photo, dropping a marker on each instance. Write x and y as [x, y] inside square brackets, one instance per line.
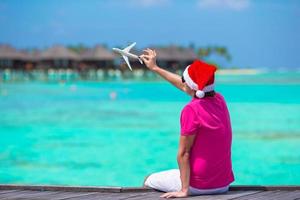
[210, 156]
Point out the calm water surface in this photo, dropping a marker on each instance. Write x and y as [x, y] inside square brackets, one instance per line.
[79, 134]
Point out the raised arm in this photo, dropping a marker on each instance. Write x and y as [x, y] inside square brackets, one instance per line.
[149, 58]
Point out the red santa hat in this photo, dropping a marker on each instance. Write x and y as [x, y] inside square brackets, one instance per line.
[200, 77]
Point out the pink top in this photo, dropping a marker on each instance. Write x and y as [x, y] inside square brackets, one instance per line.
[210, 156]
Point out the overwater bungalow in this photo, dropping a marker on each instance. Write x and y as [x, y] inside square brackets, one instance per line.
[10, 58]
[31, 59]
[97, 58]
[175, 58]
[58, 57]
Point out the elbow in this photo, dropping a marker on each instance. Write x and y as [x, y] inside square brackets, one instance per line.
[183, 156]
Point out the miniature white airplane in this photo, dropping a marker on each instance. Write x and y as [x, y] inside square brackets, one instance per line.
[125, 54]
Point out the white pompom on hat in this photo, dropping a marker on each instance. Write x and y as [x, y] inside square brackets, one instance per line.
[200, 76]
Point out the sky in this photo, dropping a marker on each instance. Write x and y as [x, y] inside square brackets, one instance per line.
[257, 33]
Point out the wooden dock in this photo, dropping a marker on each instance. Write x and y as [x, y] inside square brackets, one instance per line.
[22, 192]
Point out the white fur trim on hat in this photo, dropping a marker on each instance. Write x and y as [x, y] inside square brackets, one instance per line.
[188, 79]
[209, 88]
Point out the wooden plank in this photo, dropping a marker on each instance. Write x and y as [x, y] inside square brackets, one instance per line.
[91, 196]
[67, 195]
[253, 196]
[151, 197]
[14, 195]
[109, 196]
[7, 191]
[147, 196]
[272, 195]
[265, 188]
[97, 195]
[269, 194]
[136, 189]
[31, 195]
[45, 195]
[225, 196]
[140, 195]
[279, 195]
[60, 188]
[50, 195]
[295, 195]
[112, 196]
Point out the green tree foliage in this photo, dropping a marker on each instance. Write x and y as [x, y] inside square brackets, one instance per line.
[79, 48]
[205, 52]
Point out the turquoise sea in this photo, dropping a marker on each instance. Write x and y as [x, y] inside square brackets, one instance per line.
[114, 133]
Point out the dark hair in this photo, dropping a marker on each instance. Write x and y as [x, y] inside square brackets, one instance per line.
[182, 79]
[207, 94]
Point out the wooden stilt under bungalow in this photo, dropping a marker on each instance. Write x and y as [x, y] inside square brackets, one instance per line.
[111, 193]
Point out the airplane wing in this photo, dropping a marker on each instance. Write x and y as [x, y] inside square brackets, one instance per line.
[127, 61]
[127, 49]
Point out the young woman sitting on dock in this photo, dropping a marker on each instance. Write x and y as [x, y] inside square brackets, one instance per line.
[204, 153]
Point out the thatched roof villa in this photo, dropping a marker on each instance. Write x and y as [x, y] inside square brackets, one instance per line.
[11, 58]
[174, 57]
[58, 57]
[30, 58]
[97, 58]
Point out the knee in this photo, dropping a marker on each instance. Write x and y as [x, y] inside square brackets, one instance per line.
[145, 183]
[152, 181]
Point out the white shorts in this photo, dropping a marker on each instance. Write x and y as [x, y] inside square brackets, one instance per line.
[169, 181]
